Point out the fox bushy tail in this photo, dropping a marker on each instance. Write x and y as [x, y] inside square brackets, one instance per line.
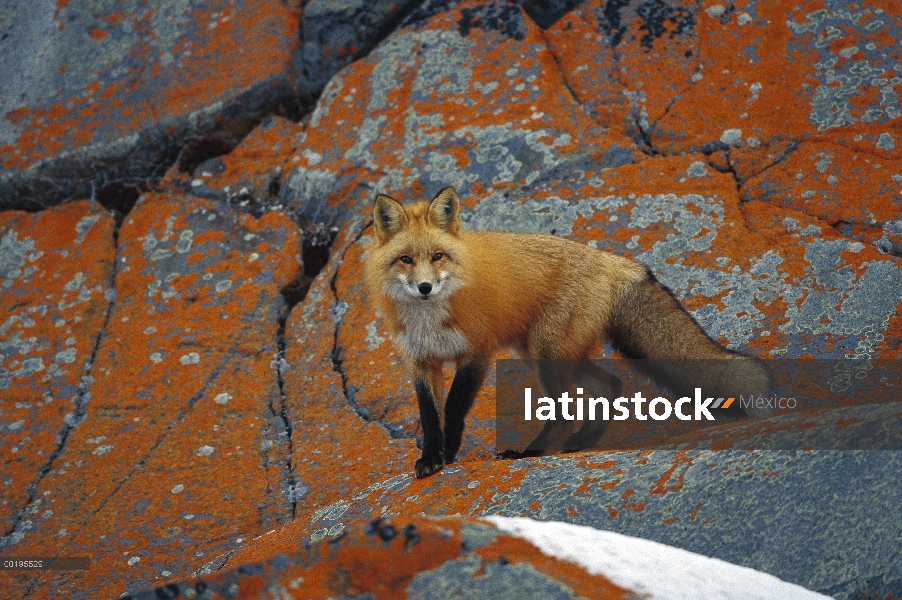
[648, 323]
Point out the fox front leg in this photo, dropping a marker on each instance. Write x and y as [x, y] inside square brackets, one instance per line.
[430, 398]
[467, 381]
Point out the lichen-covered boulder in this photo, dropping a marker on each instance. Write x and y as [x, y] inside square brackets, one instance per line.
[56, 287]
[495, 558]
[192, 397]
[182, 438]
[769, 510]
[111, 96]
[340, 446]
[465, 94]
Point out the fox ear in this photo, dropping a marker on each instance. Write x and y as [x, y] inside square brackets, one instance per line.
[444, 211]
[389, 217]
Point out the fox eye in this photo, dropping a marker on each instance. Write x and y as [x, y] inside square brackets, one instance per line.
[406, 260]
[437, 256]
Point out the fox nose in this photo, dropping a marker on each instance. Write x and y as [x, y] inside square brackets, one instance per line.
[425, 288]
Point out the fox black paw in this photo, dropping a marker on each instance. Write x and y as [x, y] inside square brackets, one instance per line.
[428, 465]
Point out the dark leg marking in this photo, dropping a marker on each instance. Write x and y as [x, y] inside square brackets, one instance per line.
[432, 459]
[467, 381]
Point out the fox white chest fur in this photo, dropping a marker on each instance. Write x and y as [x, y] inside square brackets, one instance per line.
[425, 334]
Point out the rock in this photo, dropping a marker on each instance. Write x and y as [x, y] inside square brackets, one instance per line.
[252, 172]
[627, 62]
[431, 558]
[680, 77]
[503, 557]
[764, 510]
[460, 95]
[746, 154]
[839, 185]
[325, 408]
[113, 96]
[56, 287]
[335, 33]
[134, 84]
[186, 419]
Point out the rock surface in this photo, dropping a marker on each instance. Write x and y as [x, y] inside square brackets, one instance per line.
[467, 558]
[104, 98]
[170, 391]
[735, 505]
[183, 399]
[456, 96]
[55, 292]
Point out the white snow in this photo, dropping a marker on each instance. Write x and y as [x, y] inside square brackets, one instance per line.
[659, 571]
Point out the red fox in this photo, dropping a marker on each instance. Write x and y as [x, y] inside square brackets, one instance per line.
[448, 295]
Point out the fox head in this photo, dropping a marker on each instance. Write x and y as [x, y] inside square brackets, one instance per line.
[418, 253]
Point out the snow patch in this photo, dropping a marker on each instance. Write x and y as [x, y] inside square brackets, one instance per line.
[646, 567]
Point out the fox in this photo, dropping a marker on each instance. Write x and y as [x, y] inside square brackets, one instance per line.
[447, 295]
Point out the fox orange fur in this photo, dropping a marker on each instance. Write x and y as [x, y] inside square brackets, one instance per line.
[448, 295]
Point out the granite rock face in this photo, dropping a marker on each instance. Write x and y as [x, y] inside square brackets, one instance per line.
[469, 558]
[57, 287]
[457, 96]
[180, 414]
[193, 382]
[101, 99]
[761, 509]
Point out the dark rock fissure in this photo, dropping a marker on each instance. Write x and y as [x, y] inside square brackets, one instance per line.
[338, 309]
[70, 421]
[646, 131]
[315, 249]
[317, 246]
[644, 138]
[77, 174]
[203, 148]
[730, 168]
[280, 412]
[119, 198]
[179, 419]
